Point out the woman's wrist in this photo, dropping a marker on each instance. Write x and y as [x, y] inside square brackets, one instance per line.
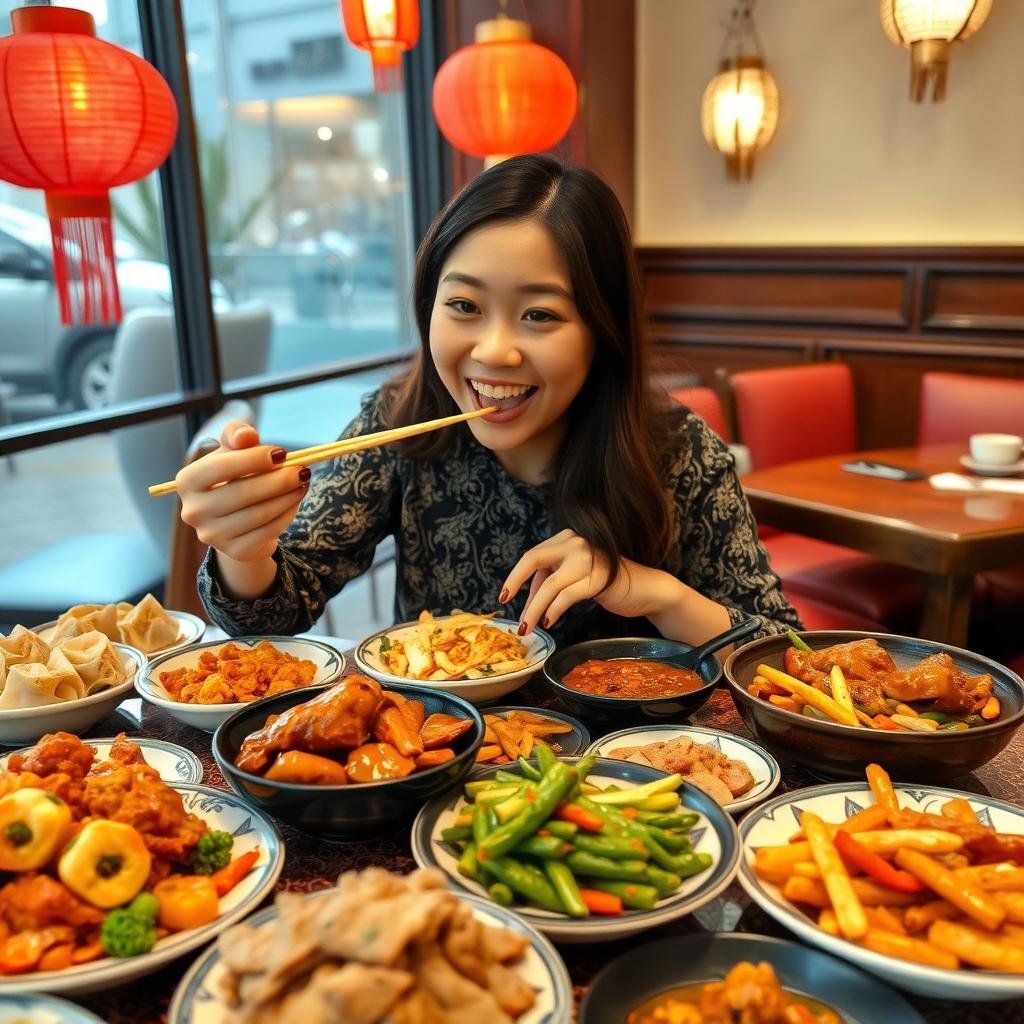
[245, 581]
[681, 613]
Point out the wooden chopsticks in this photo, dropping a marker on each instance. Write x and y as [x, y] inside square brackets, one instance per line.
[332, 449]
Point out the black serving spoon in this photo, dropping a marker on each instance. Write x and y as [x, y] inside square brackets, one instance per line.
[691, 659]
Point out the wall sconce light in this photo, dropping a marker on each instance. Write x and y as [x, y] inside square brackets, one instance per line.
[927, 28]
[740, 108]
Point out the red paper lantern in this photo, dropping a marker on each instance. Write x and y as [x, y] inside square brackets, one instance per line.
[387, 28]
[79, 116]
[504, 95]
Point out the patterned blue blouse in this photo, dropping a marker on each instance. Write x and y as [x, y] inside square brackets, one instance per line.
[461, 523]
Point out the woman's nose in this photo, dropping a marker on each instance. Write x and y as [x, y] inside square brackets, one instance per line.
[497, 346]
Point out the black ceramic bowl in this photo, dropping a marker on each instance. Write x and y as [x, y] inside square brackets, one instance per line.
[356, 810]
[843, 751]
[609, 710]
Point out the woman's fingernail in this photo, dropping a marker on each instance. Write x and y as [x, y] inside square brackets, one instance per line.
[546, 623]
[305, 473]
[278, 455]
[503, 596]
[522, 631]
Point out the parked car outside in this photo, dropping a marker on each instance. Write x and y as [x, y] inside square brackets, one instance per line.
[38, 352]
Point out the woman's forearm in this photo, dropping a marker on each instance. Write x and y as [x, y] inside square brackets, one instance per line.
[245, 581]
[685, 615]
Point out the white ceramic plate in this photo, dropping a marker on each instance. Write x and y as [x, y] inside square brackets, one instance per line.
[762, 765]
[539, 646]
[773, 823]
[715, 833]
[330, 665]
[219, 810]
[987, 469]
[19, 726]
[173, 763]
[198, 998]
[28, 1009]
[190, 631]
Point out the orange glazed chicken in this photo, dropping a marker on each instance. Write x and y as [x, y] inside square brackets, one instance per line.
[353, 732]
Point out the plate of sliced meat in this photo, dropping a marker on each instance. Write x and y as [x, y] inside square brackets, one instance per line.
[735, 771]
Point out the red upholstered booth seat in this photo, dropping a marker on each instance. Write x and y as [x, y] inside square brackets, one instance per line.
[800, 412]
[818, 615]
[706, 404]
[954, 406]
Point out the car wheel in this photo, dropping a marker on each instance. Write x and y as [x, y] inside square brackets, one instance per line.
[90, 373]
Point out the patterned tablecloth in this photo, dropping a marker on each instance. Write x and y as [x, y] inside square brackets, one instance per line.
[315, 863]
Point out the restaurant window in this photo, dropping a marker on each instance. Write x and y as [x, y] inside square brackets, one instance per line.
[307, 213]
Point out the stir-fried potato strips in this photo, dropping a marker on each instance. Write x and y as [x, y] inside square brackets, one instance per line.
[941, 890]
[463, 646]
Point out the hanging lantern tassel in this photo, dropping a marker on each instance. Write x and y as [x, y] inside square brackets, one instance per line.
[78, 117]
[84, 270]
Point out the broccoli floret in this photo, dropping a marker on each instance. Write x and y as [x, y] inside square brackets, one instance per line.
[211, 853]
[131, 930]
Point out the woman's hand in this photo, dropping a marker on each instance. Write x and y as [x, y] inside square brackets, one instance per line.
[567, 570]
[238, 498]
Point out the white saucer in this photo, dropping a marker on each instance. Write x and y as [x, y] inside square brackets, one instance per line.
[985, 469]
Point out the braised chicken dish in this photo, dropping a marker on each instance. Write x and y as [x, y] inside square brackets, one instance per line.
[100, 857]
[238, 675]
[749, 994]
[355, 731]
[858, 683]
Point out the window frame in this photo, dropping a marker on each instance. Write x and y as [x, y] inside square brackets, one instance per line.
[203, 390]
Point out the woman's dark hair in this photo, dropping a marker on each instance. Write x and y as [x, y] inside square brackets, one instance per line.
[605, 482]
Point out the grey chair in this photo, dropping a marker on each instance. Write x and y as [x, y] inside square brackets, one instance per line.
[108, 566]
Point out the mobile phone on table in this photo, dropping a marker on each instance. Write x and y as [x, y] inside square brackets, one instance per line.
[883, 469]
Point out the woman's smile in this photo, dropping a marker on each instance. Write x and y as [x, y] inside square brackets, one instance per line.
[511, 399]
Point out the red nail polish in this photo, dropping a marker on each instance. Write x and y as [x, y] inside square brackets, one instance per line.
[503, 596]
[305, 473]
[546, 623]
[522, 631]
[278, 455]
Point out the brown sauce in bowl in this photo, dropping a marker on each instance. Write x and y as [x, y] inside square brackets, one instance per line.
[635, 678]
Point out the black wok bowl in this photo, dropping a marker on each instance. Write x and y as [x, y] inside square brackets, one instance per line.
[843, 751]
[356, 810]
[621, 710]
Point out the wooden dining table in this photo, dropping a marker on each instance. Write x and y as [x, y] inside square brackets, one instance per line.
[949, 536]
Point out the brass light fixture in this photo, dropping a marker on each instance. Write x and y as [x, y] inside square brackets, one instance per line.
[928, 27]
[740, 108]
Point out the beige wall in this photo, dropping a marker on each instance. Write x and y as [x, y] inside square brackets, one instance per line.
[853, 160]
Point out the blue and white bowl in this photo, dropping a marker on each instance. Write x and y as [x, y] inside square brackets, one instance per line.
[221, 811]
[762, 765]
[539, 647]
[174, 764]
[199, 997]
[29, 1009]
[773, 823]
[715, 833]
[330, 664]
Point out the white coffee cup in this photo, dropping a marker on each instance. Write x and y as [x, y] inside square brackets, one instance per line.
[996, 449]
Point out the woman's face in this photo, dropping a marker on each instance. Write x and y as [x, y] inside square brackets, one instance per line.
[505, 331]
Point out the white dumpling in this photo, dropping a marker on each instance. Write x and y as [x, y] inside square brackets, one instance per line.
[95, 659]
[33, 685]
[83, 618]
[22, 647]
[148, 627]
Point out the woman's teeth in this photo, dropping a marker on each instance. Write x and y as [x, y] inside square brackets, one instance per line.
[504, 396]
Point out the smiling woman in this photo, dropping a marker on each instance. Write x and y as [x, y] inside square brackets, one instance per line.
[585, 502]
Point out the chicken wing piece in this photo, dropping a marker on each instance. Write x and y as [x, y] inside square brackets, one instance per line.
[56, 752]
[935, 678]
[338, 718]
[392, 726]
[863, 663]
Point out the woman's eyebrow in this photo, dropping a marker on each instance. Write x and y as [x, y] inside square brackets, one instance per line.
[540, 288]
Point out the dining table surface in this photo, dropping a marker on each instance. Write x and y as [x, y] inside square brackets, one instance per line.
[313, 862]
[949, 536]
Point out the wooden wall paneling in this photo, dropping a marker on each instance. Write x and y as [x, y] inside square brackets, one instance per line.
[970, 298]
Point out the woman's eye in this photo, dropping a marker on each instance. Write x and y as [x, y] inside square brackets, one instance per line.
[461, 306]
[540, 316]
